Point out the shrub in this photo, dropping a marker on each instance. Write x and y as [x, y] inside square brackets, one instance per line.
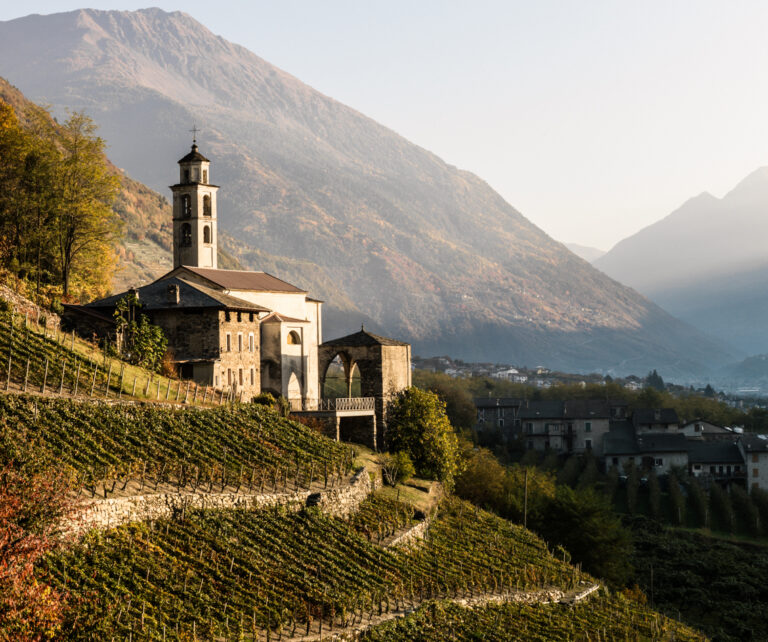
[397, 468]
[417, 425]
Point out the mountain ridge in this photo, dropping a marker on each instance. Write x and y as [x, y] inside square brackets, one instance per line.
[426, 251]
[708, 264]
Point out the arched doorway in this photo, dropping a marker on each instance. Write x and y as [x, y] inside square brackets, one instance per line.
[294, 390]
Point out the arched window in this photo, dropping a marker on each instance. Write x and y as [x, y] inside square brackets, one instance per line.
[207, 205]
[186, 206]
[206, 234]
[186, 176]
[293, 338]
[205, 176]
[186, 235]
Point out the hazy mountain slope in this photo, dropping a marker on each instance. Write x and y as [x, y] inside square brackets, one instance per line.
[427, 252]
[586, 252]
[707, 263]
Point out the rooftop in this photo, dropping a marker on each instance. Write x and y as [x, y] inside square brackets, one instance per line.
[194, 156]
[363, 338]
[238, 279]
[155, 296]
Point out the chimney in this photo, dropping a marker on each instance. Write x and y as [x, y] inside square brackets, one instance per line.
[172, 293]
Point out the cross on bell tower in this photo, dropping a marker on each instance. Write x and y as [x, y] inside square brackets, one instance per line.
[194, 211]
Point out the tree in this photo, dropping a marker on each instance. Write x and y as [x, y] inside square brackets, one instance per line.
[654, 495]
[86, 227]
[30, 508]
[142, 343]
[654, 380]
[397, 468]
[417, 425]
[583, 522]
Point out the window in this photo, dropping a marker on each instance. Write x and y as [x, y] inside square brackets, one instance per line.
[240, 375]
[697, 428]
[697, 466]
[186, 206]
[588, 427]
[186, 235]
[754, 458]
[720, 469]
[293, 338]
[737, 469]
[250, 316]
[215, 380]
[205, 176]
[253, 377]
[588, 444]
[755, 472]
[229, 342]
[227, 316]
[207, 205]
[229, 376]
[658, 461]
[207, 234]
[529, 427]
[711, 470]
[250, 342]
[186, 176]
[501, 423]
[239, 317]
[239, 341]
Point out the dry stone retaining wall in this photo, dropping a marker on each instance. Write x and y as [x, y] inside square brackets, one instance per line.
[106, 513]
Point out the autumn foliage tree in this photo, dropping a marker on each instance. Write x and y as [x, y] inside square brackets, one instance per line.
[57, 226]
[31, 505]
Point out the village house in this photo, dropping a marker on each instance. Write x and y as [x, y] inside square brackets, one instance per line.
[754, 449]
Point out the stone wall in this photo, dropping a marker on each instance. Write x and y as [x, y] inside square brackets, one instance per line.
[342, 502]
[106, 513]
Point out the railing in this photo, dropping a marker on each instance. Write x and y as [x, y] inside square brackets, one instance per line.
[332, 405]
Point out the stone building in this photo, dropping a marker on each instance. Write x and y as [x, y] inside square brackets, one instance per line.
[244, 331]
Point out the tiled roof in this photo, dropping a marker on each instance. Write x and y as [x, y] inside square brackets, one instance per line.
[620, 439]
[662, 443]
[275, 317]
[191, 295]
[498, 402]
[754, 443]
[239, 279]
[194, 156]
[714, 452]
[363, 338]
[647, 416]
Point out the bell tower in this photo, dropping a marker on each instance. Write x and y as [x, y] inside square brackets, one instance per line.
[194, 213]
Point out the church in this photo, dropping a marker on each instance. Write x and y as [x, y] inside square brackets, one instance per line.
[246, 331]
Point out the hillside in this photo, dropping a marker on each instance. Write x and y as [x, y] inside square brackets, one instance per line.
[708, 265]
[302, 564]
[381, 229]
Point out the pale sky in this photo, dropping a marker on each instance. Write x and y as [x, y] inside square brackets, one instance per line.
[594, 118]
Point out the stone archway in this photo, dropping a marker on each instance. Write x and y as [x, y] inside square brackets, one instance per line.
[384, 365]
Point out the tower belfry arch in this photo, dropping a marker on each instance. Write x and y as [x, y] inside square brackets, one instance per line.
[195, 218]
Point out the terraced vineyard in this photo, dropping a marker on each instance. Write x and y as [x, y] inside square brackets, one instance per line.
[39, 359]
[378, 517]
[601, 619]
[237, 573]
[111, 445]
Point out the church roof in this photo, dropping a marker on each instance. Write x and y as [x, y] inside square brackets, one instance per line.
[194, 156]
[239, 279]
[363, 338]
[191, 295]
[276, 317]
